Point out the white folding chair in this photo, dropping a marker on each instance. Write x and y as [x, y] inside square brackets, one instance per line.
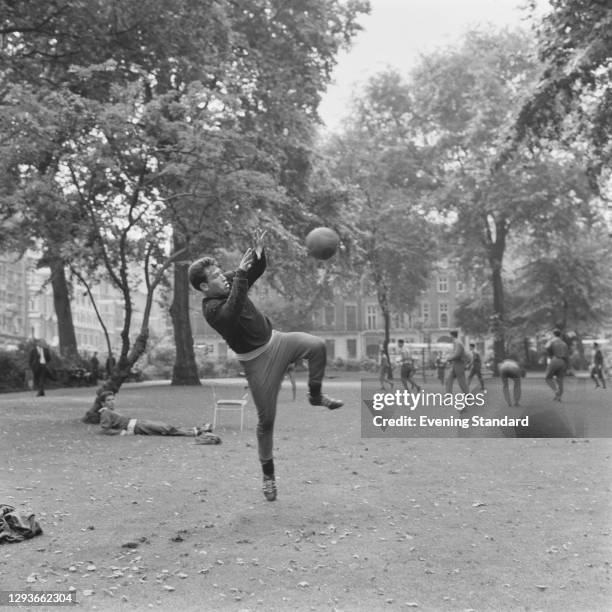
[229, 405]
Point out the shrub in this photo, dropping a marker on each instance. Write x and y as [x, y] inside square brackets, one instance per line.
[208, 369]
[230, 368]
[352, 365]
[12, 372]
[368, 365]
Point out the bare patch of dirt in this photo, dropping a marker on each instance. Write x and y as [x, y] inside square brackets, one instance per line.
[137, 522]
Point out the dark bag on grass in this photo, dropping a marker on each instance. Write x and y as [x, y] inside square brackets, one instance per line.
[15, 527]
[208, 438]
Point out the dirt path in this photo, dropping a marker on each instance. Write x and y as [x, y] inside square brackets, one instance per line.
[137, 523]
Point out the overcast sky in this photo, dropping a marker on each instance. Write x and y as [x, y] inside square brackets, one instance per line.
[397, 31]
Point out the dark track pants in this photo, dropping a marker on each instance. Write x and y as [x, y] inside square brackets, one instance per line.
[265, 374]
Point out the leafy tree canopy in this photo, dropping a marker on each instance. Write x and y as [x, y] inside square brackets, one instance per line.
[572, 97]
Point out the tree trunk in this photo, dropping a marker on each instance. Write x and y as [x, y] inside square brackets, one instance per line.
[499, 344]
[496, 230]
[526, 350]
[61, 300]
[185, 371]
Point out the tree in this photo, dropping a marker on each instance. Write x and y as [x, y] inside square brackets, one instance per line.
[32, 124]
[375, 157]
[572, 97]
[462, 98]
[260, 66]
[281, 60]
[568, 287]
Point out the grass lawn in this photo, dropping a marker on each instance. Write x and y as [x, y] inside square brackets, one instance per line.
[137, 522]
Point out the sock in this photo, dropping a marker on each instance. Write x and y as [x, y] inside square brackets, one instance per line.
[268, 467]
[314, 389]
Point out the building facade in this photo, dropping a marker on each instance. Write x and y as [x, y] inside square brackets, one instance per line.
[26, 301]
[14, 300]
[353, 326]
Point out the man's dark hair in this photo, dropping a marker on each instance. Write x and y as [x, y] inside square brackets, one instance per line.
[595, 345]
[104, 395]
[400, 341]
[557, 332]
[472, 345]
[197, 271]
[454, 333]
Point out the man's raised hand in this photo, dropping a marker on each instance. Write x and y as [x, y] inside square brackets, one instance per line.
[259, 237]
[247, 260]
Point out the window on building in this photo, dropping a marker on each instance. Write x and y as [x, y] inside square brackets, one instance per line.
[330, 345]
[351, 317]
[442, 284]
[443, 312]
[351, 348]
[317, 318]
[425, 312]
[330, 315]
[395, 321]
[371, 312]
[460, 286]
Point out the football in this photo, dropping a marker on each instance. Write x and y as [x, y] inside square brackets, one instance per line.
[322, 242]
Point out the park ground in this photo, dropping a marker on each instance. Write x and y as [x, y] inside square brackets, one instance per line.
[138, 523]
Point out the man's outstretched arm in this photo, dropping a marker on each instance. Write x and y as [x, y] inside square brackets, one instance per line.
[258, 262]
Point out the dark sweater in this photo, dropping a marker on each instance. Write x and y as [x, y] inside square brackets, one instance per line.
[112, 422]
[234, 316]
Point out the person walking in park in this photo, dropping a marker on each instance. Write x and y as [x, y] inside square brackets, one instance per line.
[597, 370]
[39, 359]
[456, 363]
[263, 352]
[406, 363]
[475, 367]
[558, 362]
[386, 374]
[509, 369]
[115, 424]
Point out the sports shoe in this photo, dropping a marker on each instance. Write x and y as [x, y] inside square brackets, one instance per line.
[206, 428]
[269, 488]
[207, 438]
[323, 400]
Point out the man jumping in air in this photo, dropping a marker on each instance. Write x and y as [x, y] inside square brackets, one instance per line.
[263, 352]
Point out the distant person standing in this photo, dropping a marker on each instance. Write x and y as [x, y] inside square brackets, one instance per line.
[456, 363]
[94, 364]
[597, 371]
[39, 359]
[406, 366]
[558, 363]
[510, 369]
[440, 366]
[475, 367]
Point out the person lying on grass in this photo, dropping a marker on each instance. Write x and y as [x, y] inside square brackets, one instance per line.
[114, 424]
